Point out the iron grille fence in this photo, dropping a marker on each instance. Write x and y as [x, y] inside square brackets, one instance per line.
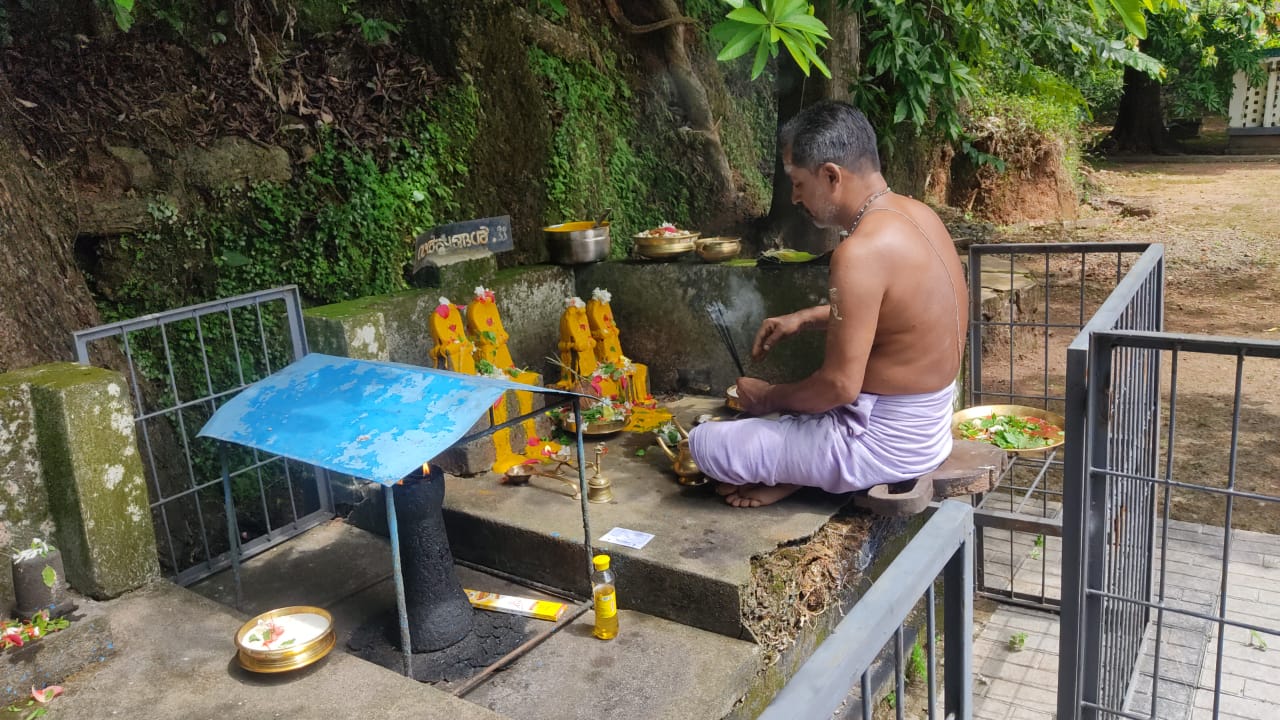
[1169, 484]
[1027, 303]
[180, 365]
[836, 681]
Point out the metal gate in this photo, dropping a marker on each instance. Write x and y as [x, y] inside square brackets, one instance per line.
[180, 365]
[1027, 303]
[1167, 484]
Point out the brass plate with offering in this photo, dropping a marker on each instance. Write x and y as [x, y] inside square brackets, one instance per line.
[595, 427]
[1015, 429]
[285, 639]
[599, 418]
[664, 242]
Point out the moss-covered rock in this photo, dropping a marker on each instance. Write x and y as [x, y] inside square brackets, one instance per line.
[97, 492]
[24, 505]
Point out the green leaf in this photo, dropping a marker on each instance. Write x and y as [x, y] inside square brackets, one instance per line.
[812, 54]
[748, 35]
[762, 56]
[748, 15]
[1131, 13]
[900, 111]
[735, 3]
[799, 55]
[806, 23]
[49, 575]
[231, 258]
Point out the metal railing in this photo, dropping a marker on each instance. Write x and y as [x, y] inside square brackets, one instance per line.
[1188, 635]
[1027, 303]
[180, 365]
[1137, 303]
[841, 668]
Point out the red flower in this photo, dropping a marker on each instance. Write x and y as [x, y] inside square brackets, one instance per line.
[442, 311]
[12, 635]
[47, 694]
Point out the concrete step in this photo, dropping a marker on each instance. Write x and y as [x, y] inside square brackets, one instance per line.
[647, 671]
[176, 659]
[694, 571]
[56, 657]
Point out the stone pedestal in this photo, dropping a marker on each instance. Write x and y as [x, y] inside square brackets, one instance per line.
[439, 612]
[33, 594]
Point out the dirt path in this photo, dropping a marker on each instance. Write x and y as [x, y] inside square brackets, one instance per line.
[1220, 223]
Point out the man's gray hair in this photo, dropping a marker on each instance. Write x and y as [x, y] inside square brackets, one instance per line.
[831, 132]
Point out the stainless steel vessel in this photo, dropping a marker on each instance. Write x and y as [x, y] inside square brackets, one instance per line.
[576, 243]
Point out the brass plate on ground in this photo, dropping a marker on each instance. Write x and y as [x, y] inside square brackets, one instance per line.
[1021, 411]
[305, 636]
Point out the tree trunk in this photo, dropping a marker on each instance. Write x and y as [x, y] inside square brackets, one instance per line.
[43, 295]
[786, 225]
[690, 93]
[1139, 124]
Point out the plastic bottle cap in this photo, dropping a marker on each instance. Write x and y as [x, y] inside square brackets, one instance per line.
[601, 562]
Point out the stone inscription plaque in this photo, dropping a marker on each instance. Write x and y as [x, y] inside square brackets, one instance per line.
[492, 234]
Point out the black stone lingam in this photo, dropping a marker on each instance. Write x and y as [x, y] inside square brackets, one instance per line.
[450, 640]
[439, 612]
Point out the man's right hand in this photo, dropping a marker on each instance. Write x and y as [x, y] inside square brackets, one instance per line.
[774, 329]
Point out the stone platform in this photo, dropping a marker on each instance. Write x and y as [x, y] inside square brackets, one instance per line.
[694, 571]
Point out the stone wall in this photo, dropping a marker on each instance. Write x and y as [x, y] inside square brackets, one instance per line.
[663, 322]
[660, 309]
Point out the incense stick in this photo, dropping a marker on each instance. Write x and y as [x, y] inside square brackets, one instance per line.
[717, 312]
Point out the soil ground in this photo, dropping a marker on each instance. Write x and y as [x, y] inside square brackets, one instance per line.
[1218, 222]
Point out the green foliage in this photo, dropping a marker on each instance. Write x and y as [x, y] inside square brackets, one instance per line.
[375, 31]
[121, 11]
[1017, 642]
[789, 22]
[342, 229]
[594, 162]
[917, 665]
[554, 10]
[1203, 46]
[1009, 129]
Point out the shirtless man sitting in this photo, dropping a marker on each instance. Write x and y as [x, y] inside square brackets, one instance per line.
[879, 409]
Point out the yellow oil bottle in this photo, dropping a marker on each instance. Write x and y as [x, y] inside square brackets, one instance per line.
[605, 596]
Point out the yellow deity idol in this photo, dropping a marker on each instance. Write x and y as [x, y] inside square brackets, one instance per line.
[577, 348]
[492, 357]
[635, 377]
[452, 349]
[485, 325]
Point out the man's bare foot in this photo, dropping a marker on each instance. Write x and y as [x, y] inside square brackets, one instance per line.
[759, 495]
[724, 489]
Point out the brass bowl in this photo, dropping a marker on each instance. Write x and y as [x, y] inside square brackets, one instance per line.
[717, 249]
[308, 636]
[1021, 411]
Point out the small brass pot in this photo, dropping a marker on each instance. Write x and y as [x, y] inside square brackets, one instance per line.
[682, 462]
[717, 249]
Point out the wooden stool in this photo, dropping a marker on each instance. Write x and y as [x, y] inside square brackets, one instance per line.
[971, 468]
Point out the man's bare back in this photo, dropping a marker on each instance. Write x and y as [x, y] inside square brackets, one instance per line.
[918, 336]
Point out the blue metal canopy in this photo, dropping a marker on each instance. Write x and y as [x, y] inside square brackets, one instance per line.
[373, 420]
